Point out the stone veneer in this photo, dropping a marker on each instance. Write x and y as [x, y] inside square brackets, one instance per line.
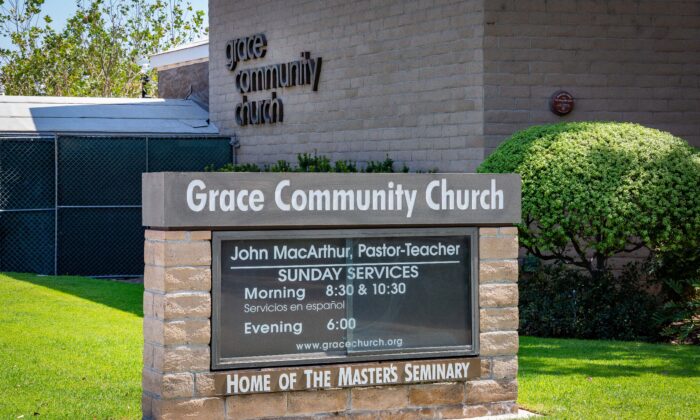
[177, 380]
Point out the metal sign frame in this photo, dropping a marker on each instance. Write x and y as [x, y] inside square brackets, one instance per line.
[220, 363]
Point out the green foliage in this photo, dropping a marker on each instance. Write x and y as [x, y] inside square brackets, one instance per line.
[680, 319]
[678, 274]
[386, 165]
[556, 301]
[280, 166]
[230, 167]
[307, 162]
[594, 189]
[313, 163]
[100, 50]
[429, 171]
[345, 166]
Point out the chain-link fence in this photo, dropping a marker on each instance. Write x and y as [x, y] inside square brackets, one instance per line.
[72, 204]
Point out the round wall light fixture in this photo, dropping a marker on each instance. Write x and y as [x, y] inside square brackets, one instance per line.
[561, 102]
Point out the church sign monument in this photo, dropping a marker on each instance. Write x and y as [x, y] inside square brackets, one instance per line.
[299, 295]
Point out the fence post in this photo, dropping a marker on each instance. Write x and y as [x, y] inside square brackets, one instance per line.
[55, 204]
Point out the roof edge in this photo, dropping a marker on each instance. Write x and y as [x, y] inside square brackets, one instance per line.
[195, 52]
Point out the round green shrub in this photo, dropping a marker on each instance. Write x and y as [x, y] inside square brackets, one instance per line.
[593, 189]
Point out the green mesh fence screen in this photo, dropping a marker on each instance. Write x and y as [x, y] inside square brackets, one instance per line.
[100, 171]
[27, 187]
[187, 154]
[100, 241]
[27, 241]
[26, 173]
[97, 202]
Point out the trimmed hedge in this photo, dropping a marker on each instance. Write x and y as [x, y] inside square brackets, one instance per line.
[592, 190]
[556, 301]
[595, 189]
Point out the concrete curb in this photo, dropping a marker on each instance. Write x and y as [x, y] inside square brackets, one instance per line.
[522, 414]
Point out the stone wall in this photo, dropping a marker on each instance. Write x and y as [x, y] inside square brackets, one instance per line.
[177, 381]
[399, 77]
[189, 79]
[622, 60]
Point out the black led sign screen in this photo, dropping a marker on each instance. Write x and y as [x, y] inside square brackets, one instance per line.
[283, 298]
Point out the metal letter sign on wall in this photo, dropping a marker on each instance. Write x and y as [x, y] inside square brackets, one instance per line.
[304, 71]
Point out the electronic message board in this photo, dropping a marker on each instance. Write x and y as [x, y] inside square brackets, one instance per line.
[284, 298]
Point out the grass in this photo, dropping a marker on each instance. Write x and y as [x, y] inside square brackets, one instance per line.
[578, 379]
[70, 347]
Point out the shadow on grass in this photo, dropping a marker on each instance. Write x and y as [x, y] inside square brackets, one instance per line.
[122, 296]
[594, 358]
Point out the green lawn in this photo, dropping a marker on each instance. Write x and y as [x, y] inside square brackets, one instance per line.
[578, 379]
[70, 347]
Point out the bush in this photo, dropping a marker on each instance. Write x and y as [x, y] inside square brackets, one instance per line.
[679, 319]
[307, 162]
[594, 189]
[679, 278]
[557, 301]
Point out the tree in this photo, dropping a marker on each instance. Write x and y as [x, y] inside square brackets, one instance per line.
[101, 50]
[592, 190]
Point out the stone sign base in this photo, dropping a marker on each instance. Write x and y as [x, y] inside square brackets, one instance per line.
[178, 381]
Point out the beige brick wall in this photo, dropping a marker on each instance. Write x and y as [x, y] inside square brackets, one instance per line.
[623, 60]
[178, 383]
[399, 77]
[186, 81]
[441, 83]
